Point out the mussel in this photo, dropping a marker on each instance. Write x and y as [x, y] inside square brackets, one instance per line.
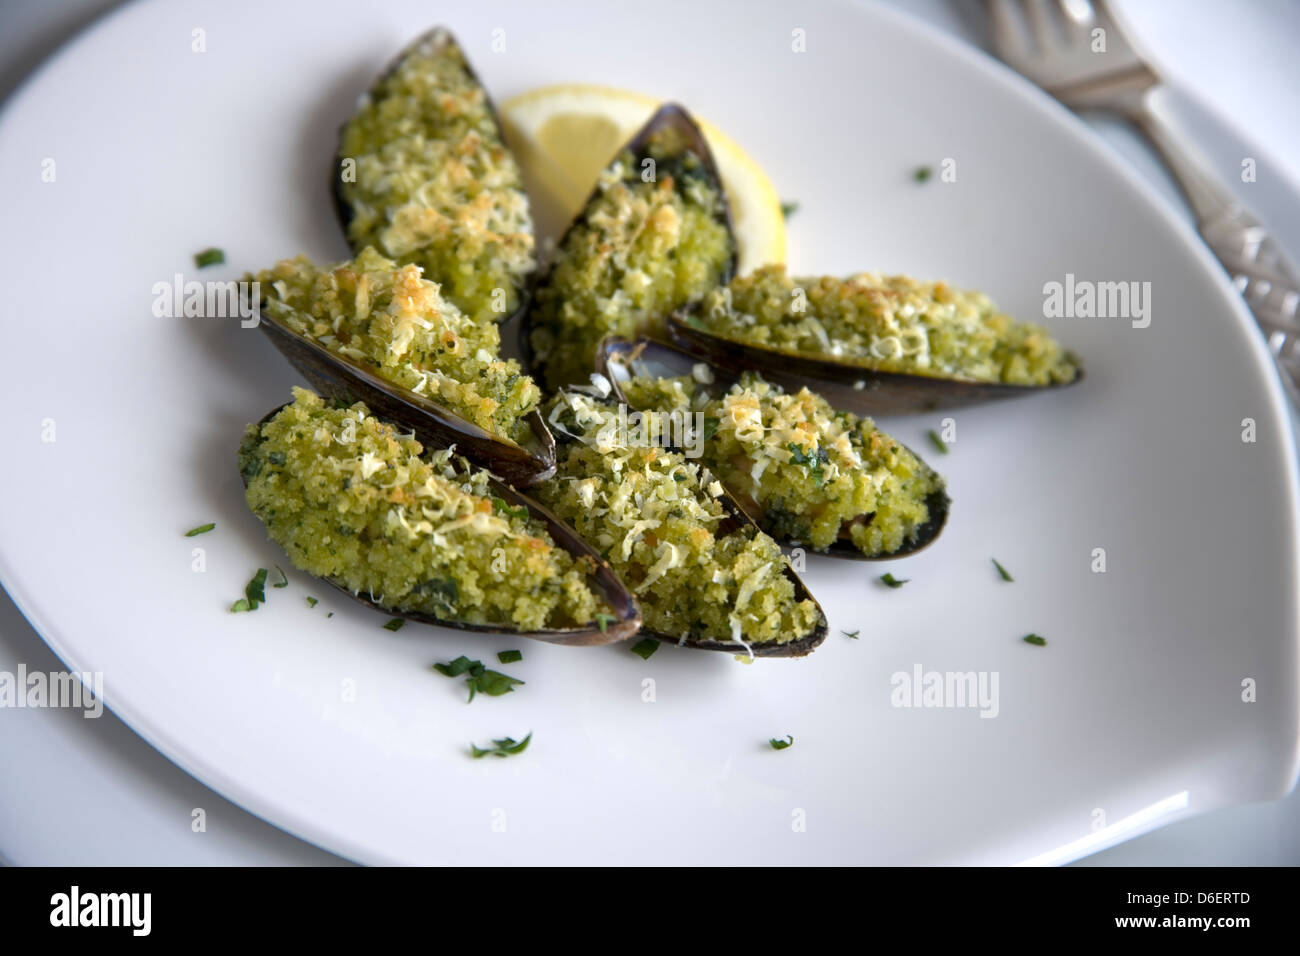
[655, 236]
[424, 174]
[893, 358]
[914, 519]
[521, 458]
[740, 522]
[295, 477]
[704, 575]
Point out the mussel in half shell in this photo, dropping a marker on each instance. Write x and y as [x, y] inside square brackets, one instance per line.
[424, 175]
[370, 330]
[655, 236]
[809, 475]
[423, 536]
[702, 572]
[874, 344]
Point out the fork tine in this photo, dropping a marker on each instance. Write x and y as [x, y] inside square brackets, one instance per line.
[1050, 42]
[1078, 15]
[1043, 23]
[1102, 18]
[1008, 31]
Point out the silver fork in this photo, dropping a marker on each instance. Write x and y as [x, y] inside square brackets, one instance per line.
[1056, 44]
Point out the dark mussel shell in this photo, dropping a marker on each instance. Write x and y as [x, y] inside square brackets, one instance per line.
[604, 581]
[439, 38]
[338, 378]
[846, 386]
[617, 359]
[668, 116]
[800, 647]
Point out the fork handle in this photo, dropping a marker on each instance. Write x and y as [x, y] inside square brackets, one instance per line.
[1259, 268]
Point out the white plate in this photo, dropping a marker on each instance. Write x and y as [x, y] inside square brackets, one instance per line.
[1134, 708]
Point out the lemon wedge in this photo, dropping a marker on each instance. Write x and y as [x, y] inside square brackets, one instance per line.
[565, 135]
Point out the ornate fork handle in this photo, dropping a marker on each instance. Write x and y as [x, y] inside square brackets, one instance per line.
[1259, 268]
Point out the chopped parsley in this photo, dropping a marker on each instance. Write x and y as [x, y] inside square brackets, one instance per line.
[1006, 575]
[645, 647]
[1035, 640]
[778, 744]
[938, 442]
[504, 507]
[457, 667]
[605, 620]
[813, 461]
[209, 257]
[395, 624]
[504, 747]
[443, 590]
[284, 580]
[201, 529]
[892, 582]
[510, 657]
[922, 174]
[478, 678]
[788, 209]
[312, 602]
[255, 591]
[492, 683]
[240, 605]
[852, 634]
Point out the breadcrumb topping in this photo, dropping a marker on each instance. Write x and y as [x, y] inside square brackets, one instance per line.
[887, 323]
[392, 321]
[436, 185]
[657, 518]
[812, 475]
[352, 500]
[640, 250]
